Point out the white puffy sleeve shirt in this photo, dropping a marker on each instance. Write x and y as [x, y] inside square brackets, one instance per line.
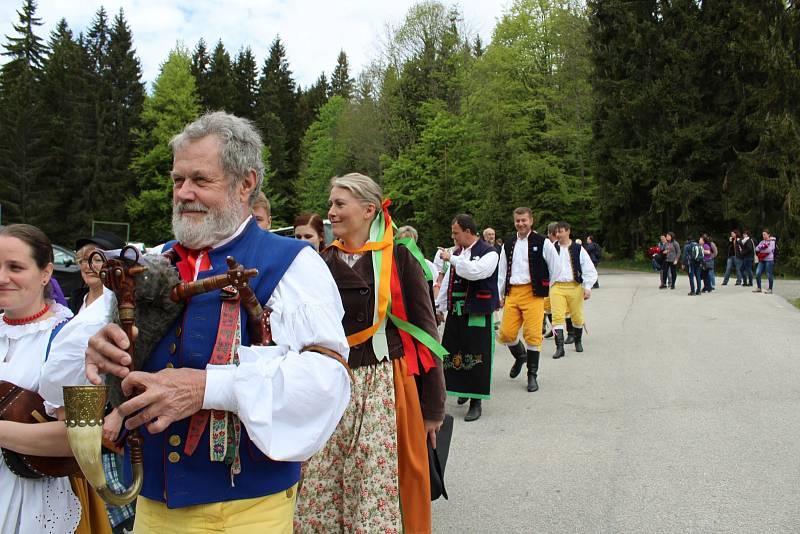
[468, 269]
[290, 401]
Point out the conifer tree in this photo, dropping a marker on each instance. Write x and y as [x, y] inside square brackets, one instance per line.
[22, 123]
[245, 84]
[341, 81]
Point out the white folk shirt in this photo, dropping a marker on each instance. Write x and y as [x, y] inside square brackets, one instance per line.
[563, 268]
[479, 269]
[520, 268]
[46, 504]
[290, 401]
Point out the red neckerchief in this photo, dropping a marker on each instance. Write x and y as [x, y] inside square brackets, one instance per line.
[187, 265]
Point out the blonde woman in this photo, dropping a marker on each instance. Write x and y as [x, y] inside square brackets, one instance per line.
[372, 476]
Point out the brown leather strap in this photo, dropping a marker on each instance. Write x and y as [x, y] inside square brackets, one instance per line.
[331, 354]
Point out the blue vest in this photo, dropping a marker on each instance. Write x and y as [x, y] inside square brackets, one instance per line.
[170, 475]
[482, 295]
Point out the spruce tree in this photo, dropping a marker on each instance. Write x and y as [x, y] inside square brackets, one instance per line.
[23, 124]
[219, 90]
[245, 84]
[276, 117]
[200, 65]
[341, 82]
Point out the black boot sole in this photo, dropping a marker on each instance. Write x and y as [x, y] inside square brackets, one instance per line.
[473, 416]
[533, 387]
[516, 368]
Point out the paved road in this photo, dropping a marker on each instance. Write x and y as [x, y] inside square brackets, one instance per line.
[683, 415]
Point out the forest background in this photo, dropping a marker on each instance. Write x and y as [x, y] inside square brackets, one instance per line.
[624, 118]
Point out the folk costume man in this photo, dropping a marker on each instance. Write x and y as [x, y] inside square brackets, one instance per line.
[226, 424]
[469, 295]
[571, 282]
[524, 282]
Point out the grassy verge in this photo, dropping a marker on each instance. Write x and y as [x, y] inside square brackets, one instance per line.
[627, 264]
[796, 302]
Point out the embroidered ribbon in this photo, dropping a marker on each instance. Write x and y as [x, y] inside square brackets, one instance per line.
[417, 344]
[225, 428]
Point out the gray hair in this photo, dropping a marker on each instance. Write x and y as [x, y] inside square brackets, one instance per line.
[240, 145]
[360, 186]
[552, 228]
[410, 230]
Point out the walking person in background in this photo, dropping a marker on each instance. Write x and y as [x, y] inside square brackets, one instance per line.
[766, 260]
[693, 263]
[262, 211]
[670, 264]
[658, 259]
[707, 265]
[712, 266]
[734, 258]
[309, 227]
[748, 253]
[489, 236]
[596, 253]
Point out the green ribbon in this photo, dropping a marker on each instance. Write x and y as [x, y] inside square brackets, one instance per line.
[477, 320]
[412, 247]
[420, 335]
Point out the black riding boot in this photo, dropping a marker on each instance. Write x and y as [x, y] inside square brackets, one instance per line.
[518, 352]
[578, 336]
[570, 333]
[550, 333]
[559, 335]
[533, 370]
[474, 411]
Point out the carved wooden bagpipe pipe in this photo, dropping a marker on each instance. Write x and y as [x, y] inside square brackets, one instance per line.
[150, 296]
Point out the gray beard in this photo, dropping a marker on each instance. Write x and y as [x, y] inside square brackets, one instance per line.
[216, 225]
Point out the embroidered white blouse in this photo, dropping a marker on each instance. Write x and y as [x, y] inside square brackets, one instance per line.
[46, 505]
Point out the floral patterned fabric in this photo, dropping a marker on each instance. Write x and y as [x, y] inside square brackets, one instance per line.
[352, 484]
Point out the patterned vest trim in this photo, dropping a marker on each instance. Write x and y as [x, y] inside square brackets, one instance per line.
[537, 266]
[574, 259]
[170, 475]
[482, 296]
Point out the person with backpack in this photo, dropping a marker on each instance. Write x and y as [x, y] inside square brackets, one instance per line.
[693, 262]
[765, 251]
[748, 253]
[595, 254]
[707, 267]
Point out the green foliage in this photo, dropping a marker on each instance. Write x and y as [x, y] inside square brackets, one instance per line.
[174, 104]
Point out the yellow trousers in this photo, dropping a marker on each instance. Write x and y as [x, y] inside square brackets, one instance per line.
[567, 296]
[547, 304]
[524, 310]
[272, 514]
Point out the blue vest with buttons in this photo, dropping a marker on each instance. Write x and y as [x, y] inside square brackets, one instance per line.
[170, 475]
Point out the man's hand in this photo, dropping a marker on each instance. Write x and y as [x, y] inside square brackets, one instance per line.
[444, 254]
[106, 353]
[501, 303]
[587, 293]
[431, 427]
[163, 397]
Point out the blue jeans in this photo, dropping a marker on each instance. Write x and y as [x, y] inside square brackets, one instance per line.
[729, 265]
[695, 272]
[712, 274]
[747, 271]
[765, 266]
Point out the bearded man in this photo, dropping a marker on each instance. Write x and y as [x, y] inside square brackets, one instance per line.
[271, 407]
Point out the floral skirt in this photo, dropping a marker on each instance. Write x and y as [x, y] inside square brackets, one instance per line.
[354, 483]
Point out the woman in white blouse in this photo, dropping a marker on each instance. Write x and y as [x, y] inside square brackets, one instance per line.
[32, 357]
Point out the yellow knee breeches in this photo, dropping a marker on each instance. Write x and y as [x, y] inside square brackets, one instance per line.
[522, 310]
[566, 297]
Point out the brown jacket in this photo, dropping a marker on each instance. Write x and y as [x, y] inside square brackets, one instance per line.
[357, 289]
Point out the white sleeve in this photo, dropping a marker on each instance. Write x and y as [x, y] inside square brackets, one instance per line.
[479, 269]
[551, 258]
[290, 401]
[66, 363]
[441, 298]
[502, 268]
[438, 261]
[588, 271]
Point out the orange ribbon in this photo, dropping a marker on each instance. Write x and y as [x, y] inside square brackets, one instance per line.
[385, 248]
